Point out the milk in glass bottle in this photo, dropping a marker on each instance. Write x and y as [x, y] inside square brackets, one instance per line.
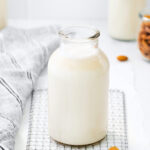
[123, 20]
[78, 79]
[2, 13]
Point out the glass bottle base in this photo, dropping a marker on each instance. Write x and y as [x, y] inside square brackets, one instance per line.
[79, 143]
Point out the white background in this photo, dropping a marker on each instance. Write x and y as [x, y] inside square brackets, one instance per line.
[57, 9]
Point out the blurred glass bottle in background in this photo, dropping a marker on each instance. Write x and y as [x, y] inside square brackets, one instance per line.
[123, 21]
[144, 33]
[2, 13]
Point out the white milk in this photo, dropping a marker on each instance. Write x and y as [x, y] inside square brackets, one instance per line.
[123, 18]
[2, 13]
[78, 93]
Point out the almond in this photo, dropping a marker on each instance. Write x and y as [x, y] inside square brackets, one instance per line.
[113, 148]
[122, 58]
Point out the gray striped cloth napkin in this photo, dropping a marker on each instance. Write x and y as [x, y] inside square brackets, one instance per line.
[23, 55]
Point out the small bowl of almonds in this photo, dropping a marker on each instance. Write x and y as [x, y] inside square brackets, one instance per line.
[144, 34]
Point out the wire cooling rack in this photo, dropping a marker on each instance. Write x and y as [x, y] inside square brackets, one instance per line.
[38, 138]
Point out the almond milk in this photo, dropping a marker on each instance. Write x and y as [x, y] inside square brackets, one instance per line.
[2, 13]
[78, 81]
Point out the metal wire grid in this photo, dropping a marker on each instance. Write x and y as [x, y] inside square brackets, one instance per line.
[38, 138]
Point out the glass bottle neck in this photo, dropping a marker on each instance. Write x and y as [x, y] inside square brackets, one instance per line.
[71, 44]
[79, 36]
[145, 15]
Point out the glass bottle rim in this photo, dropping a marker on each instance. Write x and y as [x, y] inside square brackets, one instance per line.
[70, 33]
[143, 14]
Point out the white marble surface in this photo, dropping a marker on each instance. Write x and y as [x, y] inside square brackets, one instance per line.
[132, 77]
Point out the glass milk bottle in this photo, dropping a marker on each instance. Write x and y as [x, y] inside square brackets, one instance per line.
[123, 21]
[2, 13]
[78, 78]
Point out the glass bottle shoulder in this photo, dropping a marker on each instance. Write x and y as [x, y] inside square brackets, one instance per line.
[93, 59]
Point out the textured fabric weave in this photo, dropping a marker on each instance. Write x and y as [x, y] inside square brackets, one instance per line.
[23, 55]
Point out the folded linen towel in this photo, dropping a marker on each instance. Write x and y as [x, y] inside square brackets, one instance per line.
[23, 55]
